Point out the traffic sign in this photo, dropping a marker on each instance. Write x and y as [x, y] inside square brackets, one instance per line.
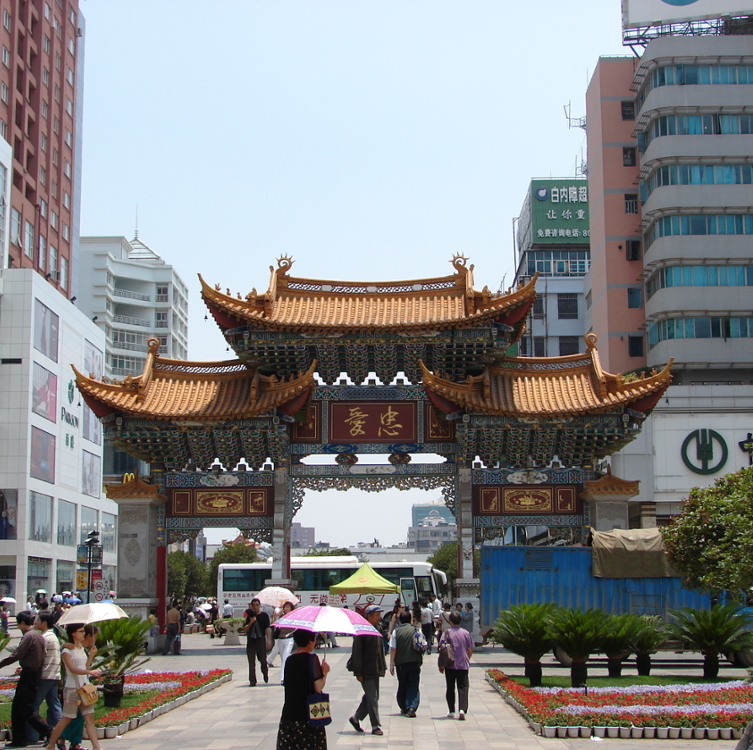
[99, 596]
[98, 587]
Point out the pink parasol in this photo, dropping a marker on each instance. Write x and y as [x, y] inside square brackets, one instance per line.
[327, 619]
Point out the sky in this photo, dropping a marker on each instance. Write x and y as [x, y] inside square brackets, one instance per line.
[369, 140]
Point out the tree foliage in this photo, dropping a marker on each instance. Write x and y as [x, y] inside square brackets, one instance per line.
[186, 576]
[711, 542]
[231, 552]
[446, 560]
[327, 552]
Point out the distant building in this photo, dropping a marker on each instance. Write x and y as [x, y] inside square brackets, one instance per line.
[553, 240]
[419, 511]
[302, 536]
[432, 532]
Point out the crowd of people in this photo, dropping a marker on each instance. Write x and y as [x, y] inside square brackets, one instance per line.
[407, 636]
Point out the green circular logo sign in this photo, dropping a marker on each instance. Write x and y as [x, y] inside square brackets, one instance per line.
[704, 451]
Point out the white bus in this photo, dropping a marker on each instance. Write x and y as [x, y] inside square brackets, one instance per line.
[240, 582]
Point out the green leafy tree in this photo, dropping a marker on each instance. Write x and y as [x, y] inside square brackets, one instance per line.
[651, 633]
[186, 576]
[721, 629]
[711, 542]
[446, 560]
[327, 552]
[524, 630]
[231, 552]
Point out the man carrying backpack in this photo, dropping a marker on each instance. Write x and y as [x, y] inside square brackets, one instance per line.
[406, 659]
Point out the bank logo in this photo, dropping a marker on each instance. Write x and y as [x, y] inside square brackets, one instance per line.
[679, 2]
[704, 451]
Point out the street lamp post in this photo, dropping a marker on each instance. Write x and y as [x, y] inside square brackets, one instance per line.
[92, 542]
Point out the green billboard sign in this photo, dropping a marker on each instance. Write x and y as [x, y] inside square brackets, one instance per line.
[559, 212]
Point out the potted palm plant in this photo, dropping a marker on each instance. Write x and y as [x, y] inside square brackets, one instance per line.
[579, 633]
[650, 634]
[122, 645]
[616, 642]
[712, 631]
[523, 630]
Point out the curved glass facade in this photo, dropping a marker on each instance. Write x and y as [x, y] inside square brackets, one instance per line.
[699, 174]
[693, 74]
[699, 328]
[699, 224]
[672, 276]
[710, 124]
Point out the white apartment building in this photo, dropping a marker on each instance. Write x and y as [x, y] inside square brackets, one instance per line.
[132, 295]
[50, 442]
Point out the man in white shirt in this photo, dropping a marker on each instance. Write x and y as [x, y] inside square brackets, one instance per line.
[49, 677]
[427, 623]
[227, 609]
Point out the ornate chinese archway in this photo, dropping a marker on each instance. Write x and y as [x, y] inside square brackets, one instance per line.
[520, 437]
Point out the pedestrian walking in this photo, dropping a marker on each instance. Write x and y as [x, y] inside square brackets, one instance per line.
[368, 665]
[456, 672]
[173, 628]
[304, 675]
[284, 640]
[427, 624]
[406, 661]
[258, 640]
[49, 677]
[30, 656]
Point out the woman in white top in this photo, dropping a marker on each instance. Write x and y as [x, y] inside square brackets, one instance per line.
[76, 675]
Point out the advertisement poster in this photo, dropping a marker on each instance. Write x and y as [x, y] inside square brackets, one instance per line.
[42, 455]
[46, 330]
[93, 365]
[90, 474]
[44, 395]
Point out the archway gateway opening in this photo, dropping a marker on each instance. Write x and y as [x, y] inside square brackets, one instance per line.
[521, 437]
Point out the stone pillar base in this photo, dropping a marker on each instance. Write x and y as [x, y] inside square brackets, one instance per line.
[140, 607]
[468, 588]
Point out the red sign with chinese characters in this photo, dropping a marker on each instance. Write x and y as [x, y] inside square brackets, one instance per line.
[524, 500]
[373, 422]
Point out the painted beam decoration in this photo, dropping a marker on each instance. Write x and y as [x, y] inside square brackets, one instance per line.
[220, 502]
[497, 500]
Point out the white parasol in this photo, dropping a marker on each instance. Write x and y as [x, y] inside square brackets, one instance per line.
[8, 600]
[86, 613]
[276, 596]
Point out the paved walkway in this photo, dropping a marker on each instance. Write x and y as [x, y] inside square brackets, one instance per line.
[237, 716]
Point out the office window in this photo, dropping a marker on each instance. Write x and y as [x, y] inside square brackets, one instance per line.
[29, 239]
[67, 168]
[45, 77]
[71, 46]
[4, 92]
[43, 142]
[69, 107]
[63, 274]
[635, 298]
[53, 261]
[160, 319]
[567, 306]
[628, 110]
[56, 93]
[88, 522]
[66, 232]
[109, 522]
[45, 109]
[538, 308]
[46, 44]
[633, 250]
[15, 226]
[635, 346]
[43, 208]
[631, 203]
[68, 138]
[6, 19]
[568, 345]
[539, 346]
[66, 199]
[6, 57]
[55, 156]
[53, 219]
[3, 129]
[43, 175]
[66, 523]
[40, 517]
[42, 255]
[69, 76]
[629, 157]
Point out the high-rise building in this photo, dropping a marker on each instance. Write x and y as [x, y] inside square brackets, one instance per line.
[553, 241]
[41, 103]
[133, 296]
[671, 262]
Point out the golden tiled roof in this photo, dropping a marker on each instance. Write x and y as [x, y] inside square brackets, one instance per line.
[549, 387]
[609, 484]
[133, 487]
[417, 305]
[172, 389]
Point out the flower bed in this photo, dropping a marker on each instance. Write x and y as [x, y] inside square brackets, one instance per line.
[153, 690]
[726, 706]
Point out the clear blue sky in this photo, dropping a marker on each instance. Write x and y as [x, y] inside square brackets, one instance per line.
[369, 140]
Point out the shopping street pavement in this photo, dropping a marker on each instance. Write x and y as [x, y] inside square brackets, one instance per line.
[237, 716]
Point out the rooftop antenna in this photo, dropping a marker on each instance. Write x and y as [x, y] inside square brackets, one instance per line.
[573, 122]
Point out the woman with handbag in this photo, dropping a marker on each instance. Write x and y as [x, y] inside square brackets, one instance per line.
[74, 732]
[301, 723]
[455, 651]
[76, 691]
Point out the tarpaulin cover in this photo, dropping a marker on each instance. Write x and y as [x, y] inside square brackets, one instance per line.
[635, 553]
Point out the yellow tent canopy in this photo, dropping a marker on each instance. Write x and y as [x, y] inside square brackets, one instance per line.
[365, 581]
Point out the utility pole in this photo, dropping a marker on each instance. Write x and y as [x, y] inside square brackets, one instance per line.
[93, 557]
